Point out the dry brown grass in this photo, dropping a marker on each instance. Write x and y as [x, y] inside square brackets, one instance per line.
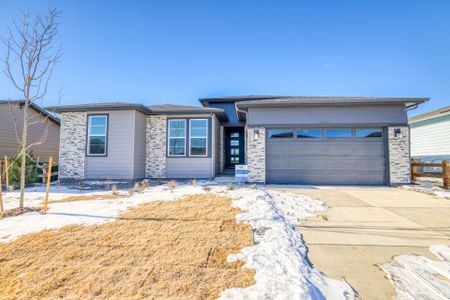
[87, 198]
[18, 211]
[161, 250]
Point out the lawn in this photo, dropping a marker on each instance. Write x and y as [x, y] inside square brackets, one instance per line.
[175, 249]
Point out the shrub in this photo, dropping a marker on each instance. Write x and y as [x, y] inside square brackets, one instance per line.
[230, 186]
[31, 171]
[206, 188]
[194, 182]
[172, 185]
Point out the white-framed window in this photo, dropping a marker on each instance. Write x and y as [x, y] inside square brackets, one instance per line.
[97, 142]
[198, 137]
[177, 137]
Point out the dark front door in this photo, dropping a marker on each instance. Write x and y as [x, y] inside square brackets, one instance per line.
[234, 147]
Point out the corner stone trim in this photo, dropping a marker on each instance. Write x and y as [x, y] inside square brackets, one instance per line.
[256, 154]
[155, 164]
[72, 145]
[399, 156]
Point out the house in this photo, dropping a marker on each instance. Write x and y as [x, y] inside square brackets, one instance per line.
[282, 139]
[44, 127]
[430, 135]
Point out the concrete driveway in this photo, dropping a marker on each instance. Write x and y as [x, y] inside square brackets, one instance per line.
[365, 227]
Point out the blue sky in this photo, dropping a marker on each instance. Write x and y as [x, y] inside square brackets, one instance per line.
[178, 51]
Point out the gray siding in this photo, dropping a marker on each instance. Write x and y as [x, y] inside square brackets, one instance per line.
[189, 167]
[8, 141]
[327, 115]
[119, 163]
[216, 143]
[139, 145]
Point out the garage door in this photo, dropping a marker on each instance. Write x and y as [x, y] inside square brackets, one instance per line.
[348, 156]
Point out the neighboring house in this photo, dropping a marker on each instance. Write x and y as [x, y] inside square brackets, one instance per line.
[293, 140]
[430, 135]
[44, 124]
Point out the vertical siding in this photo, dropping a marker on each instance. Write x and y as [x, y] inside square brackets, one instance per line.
[119, 163]
[8, 141]
[139, 145]
[432, 139]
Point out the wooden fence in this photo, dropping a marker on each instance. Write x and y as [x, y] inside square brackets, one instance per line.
[444, 174]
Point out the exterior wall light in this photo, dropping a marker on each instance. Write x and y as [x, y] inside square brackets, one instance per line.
[398, 133]
[256, 134]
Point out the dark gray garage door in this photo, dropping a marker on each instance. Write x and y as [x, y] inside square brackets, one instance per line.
[348, 156]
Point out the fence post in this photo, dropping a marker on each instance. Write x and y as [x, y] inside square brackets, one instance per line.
[1, 193]
[413, 170]
[49, 179]
[6, 172]
[446, 173]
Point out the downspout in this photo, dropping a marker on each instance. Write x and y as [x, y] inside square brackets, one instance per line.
[245, 127]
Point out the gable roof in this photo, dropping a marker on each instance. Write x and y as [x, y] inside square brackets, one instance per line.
[46, 113]
[431, 114]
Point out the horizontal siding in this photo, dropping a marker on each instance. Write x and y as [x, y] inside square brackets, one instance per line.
[119, 163]
[326, 115]
[432, 139]
[188, 167]
[8, 140]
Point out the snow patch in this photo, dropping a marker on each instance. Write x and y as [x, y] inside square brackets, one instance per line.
[429, 189]
[279, 255]
[418, 277]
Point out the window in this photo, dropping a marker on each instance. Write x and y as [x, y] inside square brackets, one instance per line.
[177, 138]
[280, 133]
[234, 151]
[97, 135]
[234, 134]
[339, 133]
[198, 137]
[369, 133]
[309, 133]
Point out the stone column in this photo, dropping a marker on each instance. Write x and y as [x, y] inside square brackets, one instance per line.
[155, 166]
[72, 146]
[256, 154]
[399, 155]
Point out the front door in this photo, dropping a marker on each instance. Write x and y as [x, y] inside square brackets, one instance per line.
[234, 147]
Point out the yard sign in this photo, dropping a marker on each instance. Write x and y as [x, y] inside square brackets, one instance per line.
[241, 173]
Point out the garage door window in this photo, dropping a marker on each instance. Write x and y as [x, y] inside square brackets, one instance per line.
[281, 133]
[338, 133]
[369, 133]
[309, 133]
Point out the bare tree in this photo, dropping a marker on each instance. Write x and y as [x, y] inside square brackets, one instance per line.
[29, 62]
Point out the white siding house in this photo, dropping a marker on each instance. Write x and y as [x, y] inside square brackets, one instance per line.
[430, 135]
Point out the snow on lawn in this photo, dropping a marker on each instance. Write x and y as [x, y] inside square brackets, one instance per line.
[429, 189]
[76, 212]
[280, 254]
[418, 277]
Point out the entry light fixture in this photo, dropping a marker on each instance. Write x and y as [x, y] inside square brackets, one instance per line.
[256, 134]
[398, 133]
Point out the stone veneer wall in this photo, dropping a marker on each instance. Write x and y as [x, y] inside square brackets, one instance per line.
[256, 155]
[72, 146]
[221, 150]
[155, 166]
[399, 155]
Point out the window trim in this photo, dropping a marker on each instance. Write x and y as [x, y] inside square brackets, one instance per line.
[169, 137]
[200, 137]
[88, 135]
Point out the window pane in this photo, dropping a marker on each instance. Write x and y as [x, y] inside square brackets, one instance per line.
[369, 133]
[235, 151]
[234, 134]
[98, 130]
[177, 128]
[281, 133]
[97, 120]
[198, 146]
[176, 146]
[309, 133]
[199, 123]
[198, 131]
[97, 145]
[235, 159]
[234, 143]
[339, 133]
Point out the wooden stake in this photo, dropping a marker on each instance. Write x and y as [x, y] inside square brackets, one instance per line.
[446, 173]
[1, 194]
[6, 172]
[49, 179]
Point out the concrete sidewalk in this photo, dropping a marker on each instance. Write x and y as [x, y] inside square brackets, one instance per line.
[365, 227]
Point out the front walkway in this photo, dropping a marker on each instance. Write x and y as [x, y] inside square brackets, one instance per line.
[365, 227]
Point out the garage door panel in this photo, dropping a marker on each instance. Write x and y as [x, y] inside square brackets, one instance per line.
[326, 161]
